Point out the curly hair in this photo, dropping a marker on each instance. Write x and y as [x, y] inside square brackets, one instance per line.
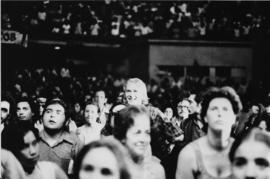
[223, 92]
[124, 119]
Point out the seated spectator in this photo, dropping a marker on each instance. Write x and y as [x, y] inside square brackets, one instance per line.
[250, 155]
[105, 158]
[57, 144]
[24, 145]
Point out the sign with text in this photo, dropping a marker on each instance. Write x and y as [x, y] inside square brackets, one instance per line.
[11, 37]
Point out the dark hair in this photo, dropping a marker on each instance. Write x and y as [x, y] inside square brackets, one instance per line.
[13, 136]
[33, 106]
[7, 96]
[124, 119]
[215, 92]
[119, 151]
[263, 117]
[31, 103]
[253, 134]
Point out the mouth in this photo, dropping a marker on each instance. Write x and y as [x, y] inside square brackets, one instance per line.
[52, 122]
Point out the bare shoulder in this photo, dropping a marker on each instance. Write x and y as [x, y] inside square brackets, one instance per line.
[188, 154]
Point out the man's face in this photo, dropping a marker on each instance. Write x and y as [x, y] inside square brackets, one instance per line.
[5, 110]
[183, 109]
[54, 117]
[24, 111]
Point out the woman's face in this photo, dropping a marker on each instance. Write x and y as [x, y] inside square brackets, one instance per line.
[138, 136]
[77, 107]
[133, 94]
[251, 160]
[220, 115]
[168, 113]
[29, 154]
[94, 166]
[91, 113]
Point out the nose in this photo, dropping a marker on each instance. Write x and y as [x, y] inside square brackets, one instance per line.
[33, 150]
[250, 171]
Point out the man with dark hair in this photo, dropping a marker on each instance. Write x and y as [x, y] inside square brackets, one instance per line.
[7, 109]
[57, 144]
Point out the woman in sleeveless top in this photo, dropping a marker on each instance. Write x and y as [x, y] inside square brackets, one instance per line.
[23, 143]
[207, 157]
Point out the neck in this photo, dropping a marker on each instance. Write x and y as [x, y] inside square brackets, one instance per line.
[219, 140]
[52, 134]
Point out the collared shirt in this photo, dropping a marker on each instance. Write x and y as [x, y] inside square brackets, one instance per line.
[63, 151]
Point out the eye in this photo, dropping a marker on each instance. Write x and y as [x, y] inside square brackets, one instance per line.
[88, 168]
[263, 163]
[106, 171]
[225, 109]
[213, 108]
[239, 161]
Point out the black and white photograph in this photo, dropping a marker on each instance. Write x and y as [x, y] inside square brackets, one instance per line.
[135, 89]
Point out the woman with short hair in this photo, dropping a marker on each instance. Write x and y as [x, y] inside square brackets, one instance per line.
[207, 157]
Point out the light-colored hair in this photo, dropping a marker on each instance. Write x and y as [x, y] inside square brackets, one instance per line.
[141, 87]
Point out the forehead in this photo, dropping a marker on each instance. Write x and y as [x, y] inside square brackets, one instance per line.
[220, 102]
[253, 149]
[23, 104]
[133, 85]
[29, 137]
[91, 107]
[41, 100]
[55, 107]
[100, 93]
[184, 102]
[97, 156]
[168, 109]
[141, 120]
[4, 104]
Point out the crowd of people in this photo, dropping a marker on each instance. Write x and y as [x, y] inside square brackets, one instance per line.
[55, 124]
[125, 19]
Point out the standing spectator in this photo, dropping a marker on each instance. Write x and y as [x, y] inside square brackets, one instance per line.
[57, 144]
[207, 157]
